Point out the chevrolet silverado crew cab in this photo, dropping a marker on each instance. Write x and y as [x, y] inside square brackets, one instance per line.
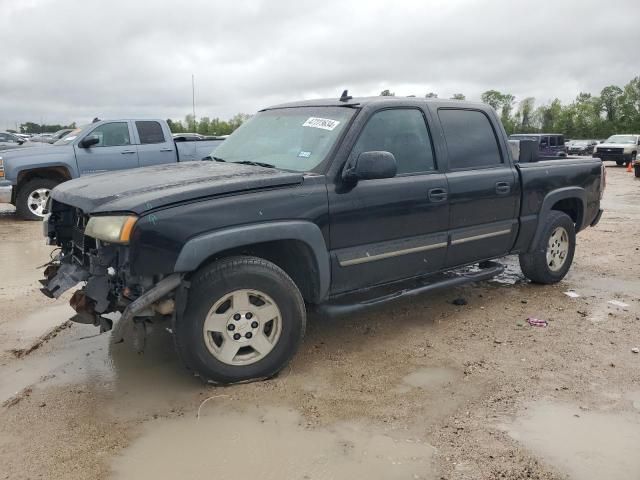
[27, 175]
[623, 149]
[326, 205]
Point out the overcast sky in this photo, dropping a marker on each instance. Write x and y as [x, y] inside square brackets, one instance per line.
[71, 60]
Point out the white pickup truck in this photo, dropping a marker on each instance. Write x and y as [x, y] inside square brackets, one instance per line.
[27, 175]
[623, 149]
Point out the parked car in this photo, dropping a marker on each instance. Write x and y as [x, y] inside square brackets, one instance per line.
[620, 148]
[11, 140]
[27, 176]
[581, 147]
[551, 145]
[42, 137]
[332, 205]
[59, 134]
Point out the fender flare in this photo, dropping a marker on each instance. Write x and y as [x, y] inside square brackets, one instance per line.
[203, 246]
[554, 197]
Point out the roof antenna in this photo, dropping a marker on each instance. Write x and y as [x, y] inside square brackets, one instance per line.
[345, 97]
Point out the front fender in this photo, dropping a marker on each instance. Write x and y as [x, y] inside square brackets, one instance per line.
[16, 163]
[200, 248]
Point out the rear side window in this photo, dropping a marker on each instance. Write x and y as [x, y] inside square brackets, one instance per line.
[470, 138]
[402, 132]
[150, 132]
[554, 141]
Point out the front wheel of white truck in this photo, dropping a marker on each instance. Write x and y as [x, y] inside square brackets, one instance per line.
[244, 320]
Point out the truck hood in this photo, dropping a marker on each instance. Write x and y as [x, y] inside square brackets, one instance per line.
[615, 145]
[30, 151]
[142, 189]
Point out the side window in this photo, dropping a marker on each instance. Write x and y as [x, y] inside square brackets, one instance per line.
[560, 140]
[470, 138]
[544, 141]
[150, 132]
[113, 134]
[554, 141]
[4, 137]
[404, 133]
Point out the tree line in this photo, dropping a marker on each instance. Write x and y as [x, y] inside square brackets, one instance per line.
[206, 125]
[614, 110]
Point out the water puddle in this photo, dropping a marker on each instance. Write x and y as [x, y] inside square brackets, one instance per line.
[432, 378]
[271, 444]
[586, 445]
[145, 382]
[22, 334]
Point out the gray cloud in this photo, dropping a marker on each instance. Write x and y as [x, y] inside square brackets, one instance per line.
[70, 60]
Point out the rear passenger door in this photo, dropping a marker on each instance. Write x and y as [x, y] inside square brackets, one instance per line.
[153, 146]
[484, 190]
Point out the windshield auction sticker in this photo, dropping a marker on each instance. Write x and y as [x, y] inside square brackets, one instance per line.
[323, 123]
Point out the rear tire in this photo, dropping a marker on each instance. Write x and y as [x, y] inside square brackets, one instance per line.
[619, 163]
[245, 319]
[32, 198]
[551, 258]
[636, 170]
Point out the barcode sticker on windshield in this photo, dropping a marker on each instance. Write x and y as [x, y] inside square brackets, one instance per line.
[323, 123]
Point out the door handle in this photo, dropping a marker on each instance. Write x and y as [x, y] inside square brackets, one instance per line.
[126, 152]
[437, 195]
[166, 150]
[502, 188]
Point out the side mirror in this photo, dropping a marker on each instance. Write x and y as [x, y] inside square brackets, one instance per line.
[373, 165]
[89, 141]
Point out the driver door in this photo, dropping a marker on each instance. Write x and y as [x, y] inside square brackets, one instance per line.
[114, 150]
[392, 228]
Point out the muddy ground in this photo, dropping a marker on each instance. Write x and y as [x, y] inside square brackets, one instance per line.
[423, 389]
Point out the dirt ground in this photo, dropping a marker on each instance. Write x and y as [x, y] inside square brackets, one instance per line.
[423, 389]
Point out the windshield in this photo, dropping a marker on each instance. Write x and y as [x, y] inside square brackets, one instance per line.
[621, 139]
[296, 139]
[580, 143]
[70, 137]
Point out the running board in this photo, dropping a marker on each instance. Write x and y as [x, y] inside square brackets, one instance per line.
[347, 304]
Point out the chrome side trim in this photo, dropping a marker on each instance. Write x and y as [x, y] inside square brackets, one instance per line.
[480, 237]
[396, 253]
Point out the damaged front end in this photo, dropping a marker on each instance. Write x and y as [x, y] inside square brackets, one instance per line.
[94, 252]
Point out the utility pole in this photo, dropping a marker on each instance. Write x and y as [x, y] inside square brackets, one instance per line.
[193, 98]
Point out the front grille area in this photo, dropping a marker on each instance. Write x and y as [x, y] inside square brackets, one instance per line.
[81, 244]
[610, 151]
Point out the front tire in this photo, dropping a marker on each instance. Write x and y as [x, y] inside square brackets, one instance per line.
[551, 258]
[32, 198]
[245, 319]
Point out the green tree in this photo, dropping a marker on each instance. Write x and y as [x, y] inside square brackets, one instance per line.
[387, 93]
[431, 95]
[458, 96]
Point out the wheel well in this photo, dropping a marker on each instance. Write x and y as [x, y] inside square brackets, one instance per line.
[56, 173]
[572, 207]
[293, 256]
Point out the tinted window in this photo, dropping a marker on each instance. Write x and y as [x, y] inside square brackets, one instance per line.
[150, 132]
[4, 137]
[112, 134]
[554, 141]
[402, 132]
[470, 138]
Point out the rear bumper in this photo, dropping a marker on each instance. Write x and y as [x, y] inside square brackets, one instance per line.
[596, 220]
[6, 192]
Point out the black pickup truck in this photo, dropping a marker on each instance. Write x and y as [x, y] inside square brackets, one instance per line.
[328, 205]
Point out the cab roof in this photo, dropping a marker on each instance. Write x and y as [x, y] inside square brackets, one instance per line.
[379, 101]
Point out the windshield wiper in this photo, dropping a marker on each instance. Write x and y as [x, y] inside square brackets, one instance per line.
[257, 164]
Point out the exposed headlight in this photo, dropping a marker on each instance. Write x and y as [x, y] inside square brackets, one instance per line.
[1, 168]
[112, 229]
